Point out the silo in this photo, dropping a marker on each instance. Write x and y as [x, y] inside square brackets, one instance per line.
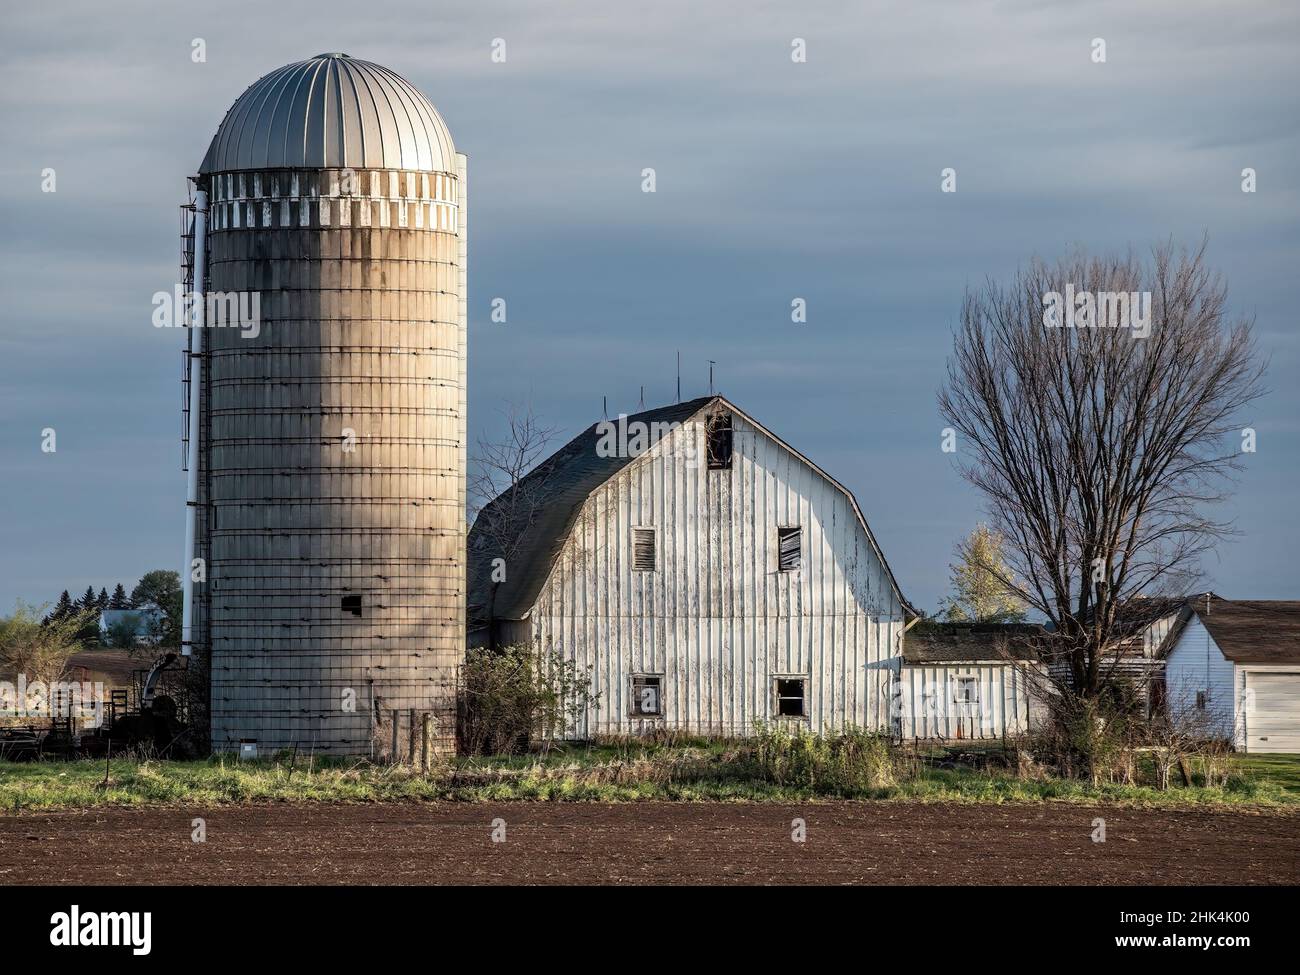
[331, 433]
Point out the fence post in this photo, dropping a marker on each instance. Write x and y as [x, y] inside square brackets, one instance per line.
[392, 755]
[426, 729]
[410, 736]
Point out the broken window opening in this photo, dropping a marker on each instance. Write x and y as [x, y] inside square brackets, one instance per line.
[789, 542]
[643, 549]
[719, 436]
[647, 696]
[967, 691]
[789, 697]
[351, 604]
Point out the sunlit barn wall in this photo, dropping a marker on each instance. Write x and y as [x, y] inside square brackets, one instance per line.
[717, 618]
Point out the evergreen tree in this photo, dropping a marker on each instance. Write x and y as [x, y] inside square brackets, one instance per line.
[88, 607]
[64, 608]
[101, 601]
[119, 600]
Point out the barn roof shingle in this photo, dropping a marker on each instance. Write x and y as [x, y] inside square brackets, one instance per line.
[931, 643]
[1256, 631]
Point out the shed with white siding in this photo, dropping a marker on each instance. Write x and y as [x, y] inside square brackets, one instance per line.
[1237, 663]
[709, 576]
[970, 681]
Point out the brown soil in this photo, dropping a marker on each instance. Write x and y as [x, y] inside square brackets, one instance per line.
[651, 843]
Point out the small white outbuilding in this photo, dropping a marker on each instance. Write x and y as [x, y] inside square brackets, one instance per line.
[970, 681]
[1236, 662]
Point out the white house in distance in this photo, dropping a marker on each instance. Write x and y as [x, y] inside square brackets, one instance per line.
[709, 575]
[1238, 662]
[146, 619]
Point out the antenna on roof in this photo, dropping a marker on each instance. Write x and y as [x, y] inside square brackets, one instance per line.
[604, 407]
[642, 406]
[712, 363]
[679, 375]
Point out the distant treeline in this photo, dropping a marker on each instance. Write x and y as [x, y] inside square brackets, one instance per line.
[160, 587]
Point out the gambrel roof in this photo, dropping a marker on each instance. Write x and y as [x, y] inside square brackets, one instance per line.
[559, 486]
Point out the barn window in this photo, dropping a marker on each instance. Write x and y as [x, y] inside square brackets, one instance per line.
[719, 441]
[647, 696]
[643, 549]
[351, 604]
[789, 541]
[789, 697]
[1200, 700]
[967, 691]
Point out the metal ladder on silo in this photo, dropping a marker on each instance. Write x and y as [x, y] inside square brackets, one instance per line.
[187, 283]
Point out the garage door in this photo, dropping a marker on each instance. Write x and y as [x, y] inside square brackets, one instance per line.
[1273, 723]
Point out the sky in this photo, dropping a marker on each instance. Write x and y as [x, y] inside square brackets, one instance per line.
[774, 180]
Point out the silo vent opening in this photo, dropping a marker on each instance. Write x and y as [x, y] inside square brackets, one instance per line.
[351, 604]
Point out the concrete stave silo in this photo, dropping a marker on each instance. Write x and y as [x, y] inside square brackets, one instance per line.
[331, 436]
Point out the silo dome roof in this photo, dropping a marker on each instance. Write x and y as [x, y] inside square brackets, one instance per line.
[331, 111]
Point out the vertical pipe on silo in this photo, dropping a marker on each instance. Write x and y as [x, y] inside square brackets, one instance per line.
[196, 324]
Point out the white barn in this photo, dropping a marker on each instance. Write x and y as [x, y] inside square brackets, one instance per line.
[709, 575]
[1237, 662]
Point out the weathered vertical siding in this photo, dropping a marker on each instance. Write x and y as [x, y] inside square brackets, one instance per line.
[717, 618]
[927, 709]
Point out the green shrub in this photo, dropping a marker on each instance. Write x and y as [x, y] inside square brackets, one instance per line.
[515, 695]
[851, 763]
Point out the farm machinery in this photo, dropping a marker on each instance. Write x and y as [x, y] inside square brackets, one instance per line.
[154, 724]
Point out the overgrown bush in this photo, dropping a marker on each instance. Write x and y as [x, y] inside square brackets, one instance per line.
[1113, 739]
[515, 695]
[845, 764]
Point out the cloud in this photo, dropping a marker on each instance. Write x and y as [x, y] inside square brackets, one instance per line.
[775, 179]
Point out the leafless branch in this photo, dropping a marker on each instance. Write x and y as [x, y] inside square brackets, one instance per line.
[1099, 452]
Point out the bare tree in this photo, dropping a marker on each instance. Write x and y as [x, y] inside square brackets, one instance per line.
[1099, 449]
[505, 500]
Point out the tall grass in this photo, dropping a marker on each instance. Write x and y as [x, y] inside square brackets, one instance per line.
[774, 765]
[851, 763]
